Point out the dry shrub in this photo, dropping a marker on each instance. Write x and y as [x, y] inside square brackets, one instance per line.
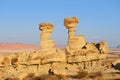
[117, 66]
[81, 74]
[44, 77]
[12, 79]
[49, 77]
[30, 76]
[96, 76]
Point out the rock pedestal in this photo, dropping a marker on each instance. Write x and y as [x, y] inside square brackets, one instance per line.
[48, 52]
[75, 42]
[45, 42]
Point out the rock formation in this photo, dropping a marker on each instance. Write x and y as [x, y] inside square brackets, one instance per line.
[90, 55]
[48, 52]
[45, 42]
[75, 42]
[79, 55]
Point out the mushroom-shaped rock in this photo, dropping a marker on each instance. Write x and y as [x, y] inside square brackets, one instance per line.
[45, 26]
[75, 42]
[71, 22]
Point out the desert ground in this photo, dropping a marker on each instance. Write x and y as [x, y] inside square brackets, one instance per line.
[112, 71]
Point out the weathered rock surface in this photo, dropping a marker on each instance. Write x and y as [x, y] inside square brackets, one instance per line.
[64, 69]
[77, 49]
[79, 55]
[75, 42]
[48, 52]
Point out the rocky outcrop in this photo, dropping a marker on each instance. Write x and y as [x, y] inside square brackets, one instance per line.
[79, 55]
[75, 42]
[48, 53]
[77, 49]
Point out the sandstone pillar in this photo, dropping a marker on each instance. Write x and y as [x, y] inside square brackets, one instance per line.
[48, 52]
[75, 42]
[45, 42]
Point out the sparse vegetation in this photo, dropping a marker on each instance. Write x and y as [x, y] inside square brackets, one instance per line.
[44, 77]
[12, 79]
[81, 74]
[96, 76]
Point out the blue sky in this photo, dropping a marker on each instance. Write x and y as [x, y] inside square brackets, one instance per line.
[99, 20]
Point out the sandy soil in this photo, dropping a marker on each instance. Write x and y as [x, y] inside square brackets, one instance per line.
[112, 73]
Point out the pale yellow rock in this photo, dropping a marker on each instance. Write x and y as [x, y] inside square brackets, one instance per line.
[33, 68]
[46, 30]
[78, 50]
[72, 59]
[75, 42]
[12, 71]
[20, 58]
[44, 69]
[5, 60]
[102, 56]
[44, 53]
[34, 58]
[91, 46]
[46, 44]
[94, 64]
[58, 56]
[1, 61]
[22, 75]
[64, 69]
[71, 22]
[81, 65]
[87, 65]
[22, 68]
[48, 53]
[44, 26]
[102, 46]
[81, 58]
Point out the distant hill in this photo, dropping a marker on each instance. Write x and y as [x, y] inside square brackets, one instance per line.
[14, 46]
[118, 46]
[20, 46]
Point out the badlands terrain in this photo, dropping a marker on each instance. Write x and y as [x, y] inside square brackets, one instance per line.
[111, 72]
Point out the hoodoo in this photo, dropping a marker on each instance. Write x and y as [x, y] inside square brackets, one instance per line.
[79, 55]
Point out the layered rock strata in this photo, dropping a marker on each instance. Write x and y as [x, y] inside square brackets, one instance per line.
[48, 52]
[79, 51]
[79, 55]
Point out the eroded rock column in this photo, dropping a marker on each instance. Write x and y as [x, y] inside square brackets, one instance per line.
[45, 42]
[48, 52]
[75, 42]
